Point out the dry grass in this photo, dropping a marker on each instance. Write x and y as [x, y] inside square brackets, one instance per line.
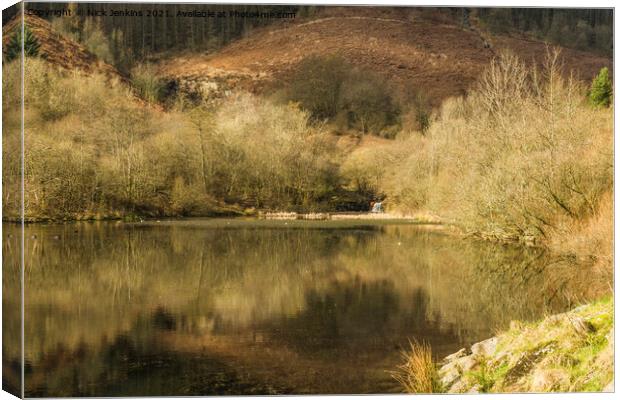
[591, 237]
[418, 374]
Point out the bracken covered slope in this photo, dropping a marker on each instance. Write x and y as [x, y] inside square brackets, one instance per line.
[58, 50]
[410, 50]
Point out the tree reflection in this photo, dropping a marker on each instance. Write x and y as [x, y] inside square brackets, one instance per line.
[339, 298]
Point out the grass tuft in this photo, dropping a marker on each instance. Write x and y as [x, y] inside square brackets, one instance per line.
[418, 374]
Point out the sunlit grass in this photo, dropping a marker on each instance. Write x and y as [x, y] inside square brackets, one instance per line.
[418, 373]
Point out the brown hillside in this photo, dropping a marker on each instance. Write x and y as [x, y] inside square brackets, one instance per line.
[409, 49]
[59, 50]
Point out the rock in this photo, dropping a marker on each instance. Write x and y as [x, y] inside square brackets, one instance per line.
[581, 326]
[207, 87]
[486, 348]
[461, 353]
[458, 387]
[449, 374]
[526, 363]
[549, 380]
[467, 363]
[580, 308]
[445, 368]
[475, 389]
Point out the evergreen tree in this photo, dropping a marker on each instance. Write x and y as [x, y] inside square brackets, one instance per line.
[601, 91]
[31, 45]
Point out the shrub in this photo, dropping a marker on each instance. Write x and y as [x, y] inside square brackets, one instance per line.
[185, 199]
[601, 90]
[267, 155]
[317, 83]
[408, 181]
[250, 152]
[109, 48]
[14, 47]
[42, 90]
[523, 158]
[363, 169]
[55, 93]
[149, 86]
[96, 41]
[330, 89]
[76, 161]
[367, 102]
[418, 116]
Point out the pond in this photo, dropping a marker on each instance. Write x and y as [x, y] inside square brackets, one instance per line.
[235, 306]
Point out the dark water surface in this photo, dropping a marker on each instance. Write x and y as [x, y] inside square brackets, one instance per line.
[203, 307]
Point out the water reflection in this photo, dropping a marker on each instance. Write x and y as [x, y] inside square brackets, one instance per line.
[11, 311]
[263, 307]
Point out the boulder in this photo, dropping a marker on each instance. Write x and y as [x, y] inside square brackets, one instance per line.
[449, 374]
[486, 348]
[461, 353]
[467, 363]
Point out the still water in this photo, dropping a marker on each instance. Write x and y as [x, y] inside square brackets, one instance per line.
[206, 307]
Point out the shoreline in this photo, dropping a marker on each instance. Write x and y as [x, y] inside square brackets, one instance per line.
[431, 221]
[264, 215]
[570, 351]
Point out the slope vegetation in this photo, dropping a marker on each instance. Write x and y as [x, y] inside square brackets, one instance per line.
[410, 50]
[58, 50]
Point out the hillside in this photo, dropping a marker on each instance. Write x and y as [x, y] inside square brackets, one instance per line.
[58, 50]
[411, 51]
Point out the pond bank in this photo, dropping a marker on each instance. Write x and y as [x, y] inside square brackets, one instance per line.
[237, 212]
[567, 352]
[325, 216]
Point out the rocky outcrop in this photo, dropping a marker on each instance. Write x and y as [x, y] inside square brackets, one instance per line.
[456, 367]
[566, 352]
[210, 87]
